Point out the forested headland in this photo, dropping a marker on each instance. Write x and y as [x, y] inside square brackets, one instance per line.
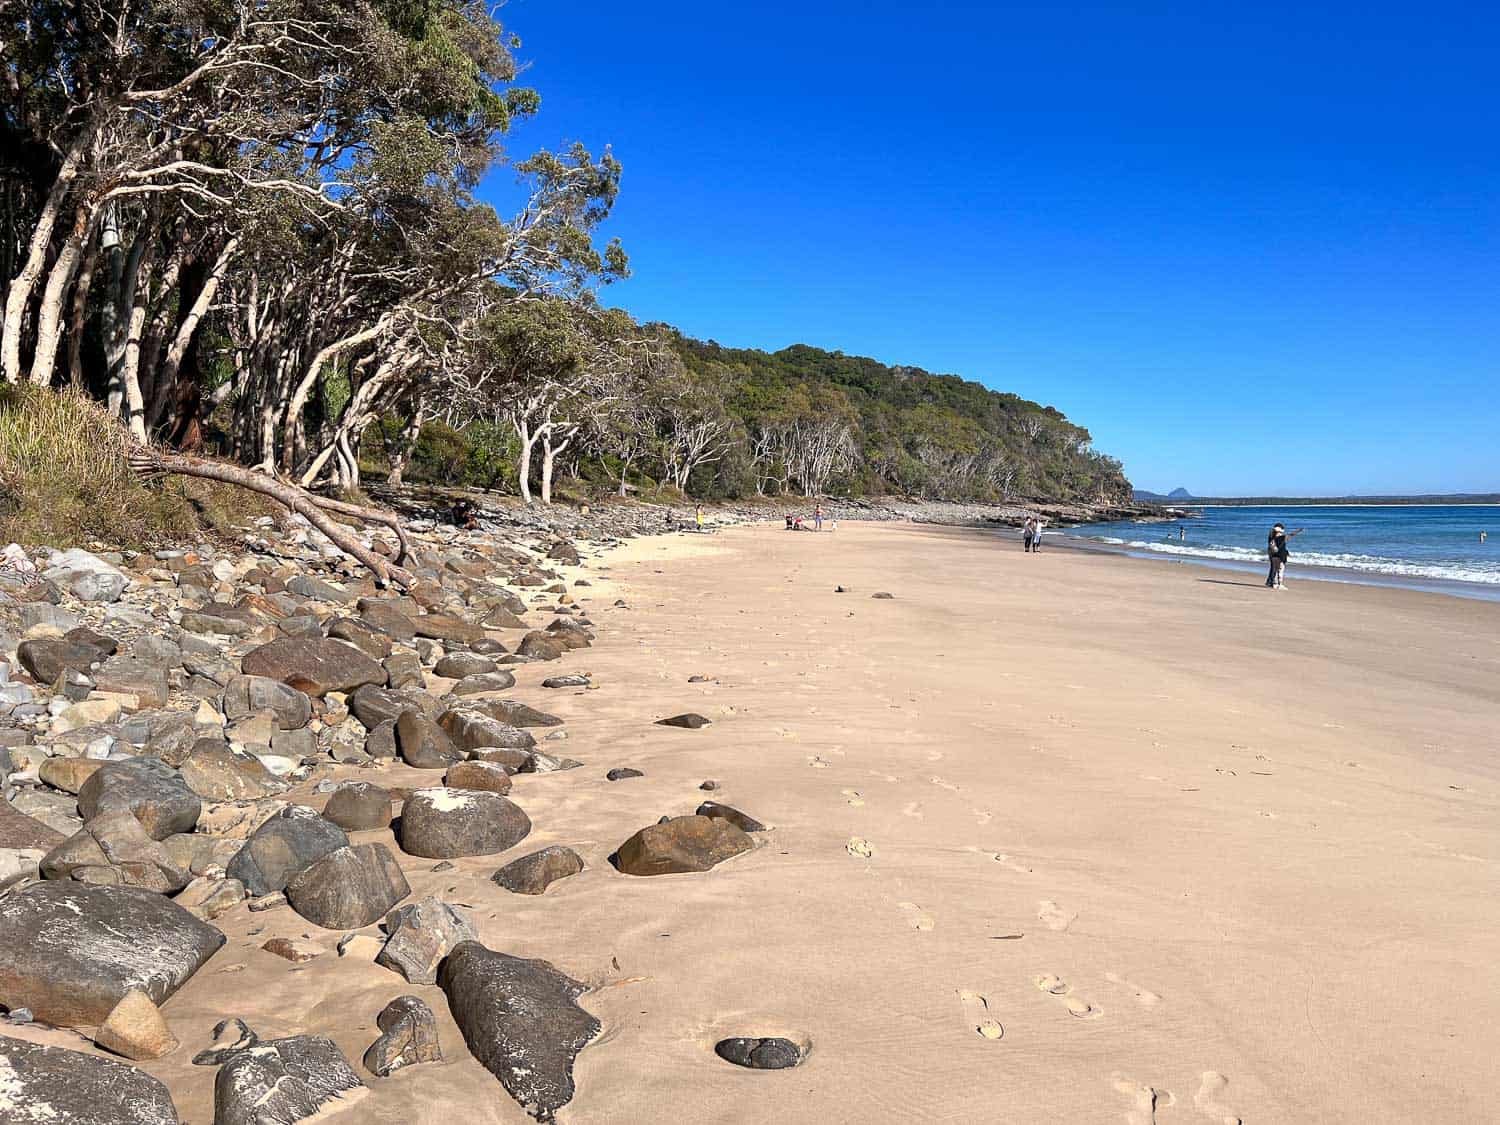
[253, 231]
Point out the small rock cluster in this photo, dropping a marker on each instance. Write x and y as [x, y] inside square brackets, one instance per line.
[164, 720]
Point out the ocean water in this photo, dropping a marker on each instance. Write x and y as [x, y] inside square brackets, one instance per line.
[1414, 542]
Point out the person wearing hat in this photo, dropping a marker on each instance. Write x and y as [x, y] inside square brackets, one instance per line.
[1277, 553]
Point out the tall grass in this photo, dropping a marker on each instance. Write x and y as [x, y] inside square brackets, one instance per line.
[65, 480]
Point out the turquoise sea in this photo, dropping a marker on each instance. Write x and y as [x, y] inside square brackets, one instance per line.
[1412, 542]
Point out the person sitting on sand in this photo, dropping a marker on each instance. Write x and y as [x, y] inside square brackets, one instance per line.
[1277, 552]
[789, 525]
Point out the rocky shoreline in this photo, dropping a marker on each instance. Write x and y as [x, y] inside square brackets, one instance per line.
[621, 518]
[194, 732]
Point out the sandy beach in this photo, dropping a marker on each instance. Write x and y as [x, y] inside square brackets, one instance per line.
[1146, 843]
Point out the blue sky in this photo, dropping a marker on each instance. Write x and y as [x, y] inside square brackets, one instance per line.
[1254, 249]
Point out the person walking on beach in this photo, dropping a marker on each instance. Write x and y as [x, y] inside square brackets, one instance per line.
[1483, 535]
[1036, 536]
[1028, 534]
[818, 517]
[700, 517]
[1277, 553]
[1181, 534]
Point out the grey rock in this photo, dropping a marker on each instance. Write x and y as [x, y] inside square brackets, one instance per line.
[772, 1053]
[689, 720]
[404, 670]
[621, 773]
[154, 791]
[359, 806]
[474, 730]
[130, 676]
[483, 684]
[373, 705]
[423, 744]
[69, 951]
[216, 773]
[515, 713]
[521, 1020]
[373, 643]
[283, 1081]
[253, 695]
[49, 1085]
[533, 874]
[457, 665]
[447, 823]
[283, 846]
[569, 681]
[409, 1037]
[348, 888]
[422, 933]
[381, 741]
[46, 657]
[315, 665]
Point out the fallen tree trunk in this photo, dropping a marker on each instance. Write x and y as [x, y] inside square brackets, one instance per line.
[313, 508]
[369, 515]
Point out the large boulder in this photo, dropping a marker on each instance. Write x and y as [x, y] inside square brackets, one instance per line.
[489, 777]
[482, 684]
[117, 840]
[532, 874]
[148, 787]
[521, 1020]
[45, 658]
[457, 665]
[348, 888]
[681, 844]
[474, 730]
[217, 773]
[515, 713]
[447, 628]
[17, 830]
[284, 1081]
[423, 744]
[358, 806]
[42, 1085]
[373, 705]
[422, 933]
[315, 665]
[245, 696]
[71, 951]
[286, 843]
[409, 1036]
[446, 823]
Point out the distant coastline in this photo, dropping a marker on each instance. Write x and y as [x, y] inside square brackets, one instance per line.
[1448, 500]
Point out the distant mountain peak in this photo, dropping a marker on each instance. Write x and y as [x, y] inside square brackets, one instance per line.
[1179, 494]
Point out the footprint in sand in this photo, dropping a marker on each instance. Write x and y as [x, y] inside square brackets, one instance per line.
[817, 763]
[1054, 985]
[941, 784]
[1208, 1099]
[1053, 916]
[853, 797]
[983, 816]
[1142, 995]
[919, 918]
[1012, 864]
[1144, 1100]
[934, 755]
[914, 809]
[977, 1015]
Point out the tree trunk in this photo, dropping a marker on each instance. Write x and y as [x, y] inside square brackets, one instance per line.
[166, 379]
[523, 463]
[24, 284]
[406, 445]
[49, 320]
[624, 474]
[80, 315]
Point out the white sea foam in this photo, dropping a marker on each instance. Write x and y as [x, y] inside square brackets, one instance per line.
[1369, 564]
